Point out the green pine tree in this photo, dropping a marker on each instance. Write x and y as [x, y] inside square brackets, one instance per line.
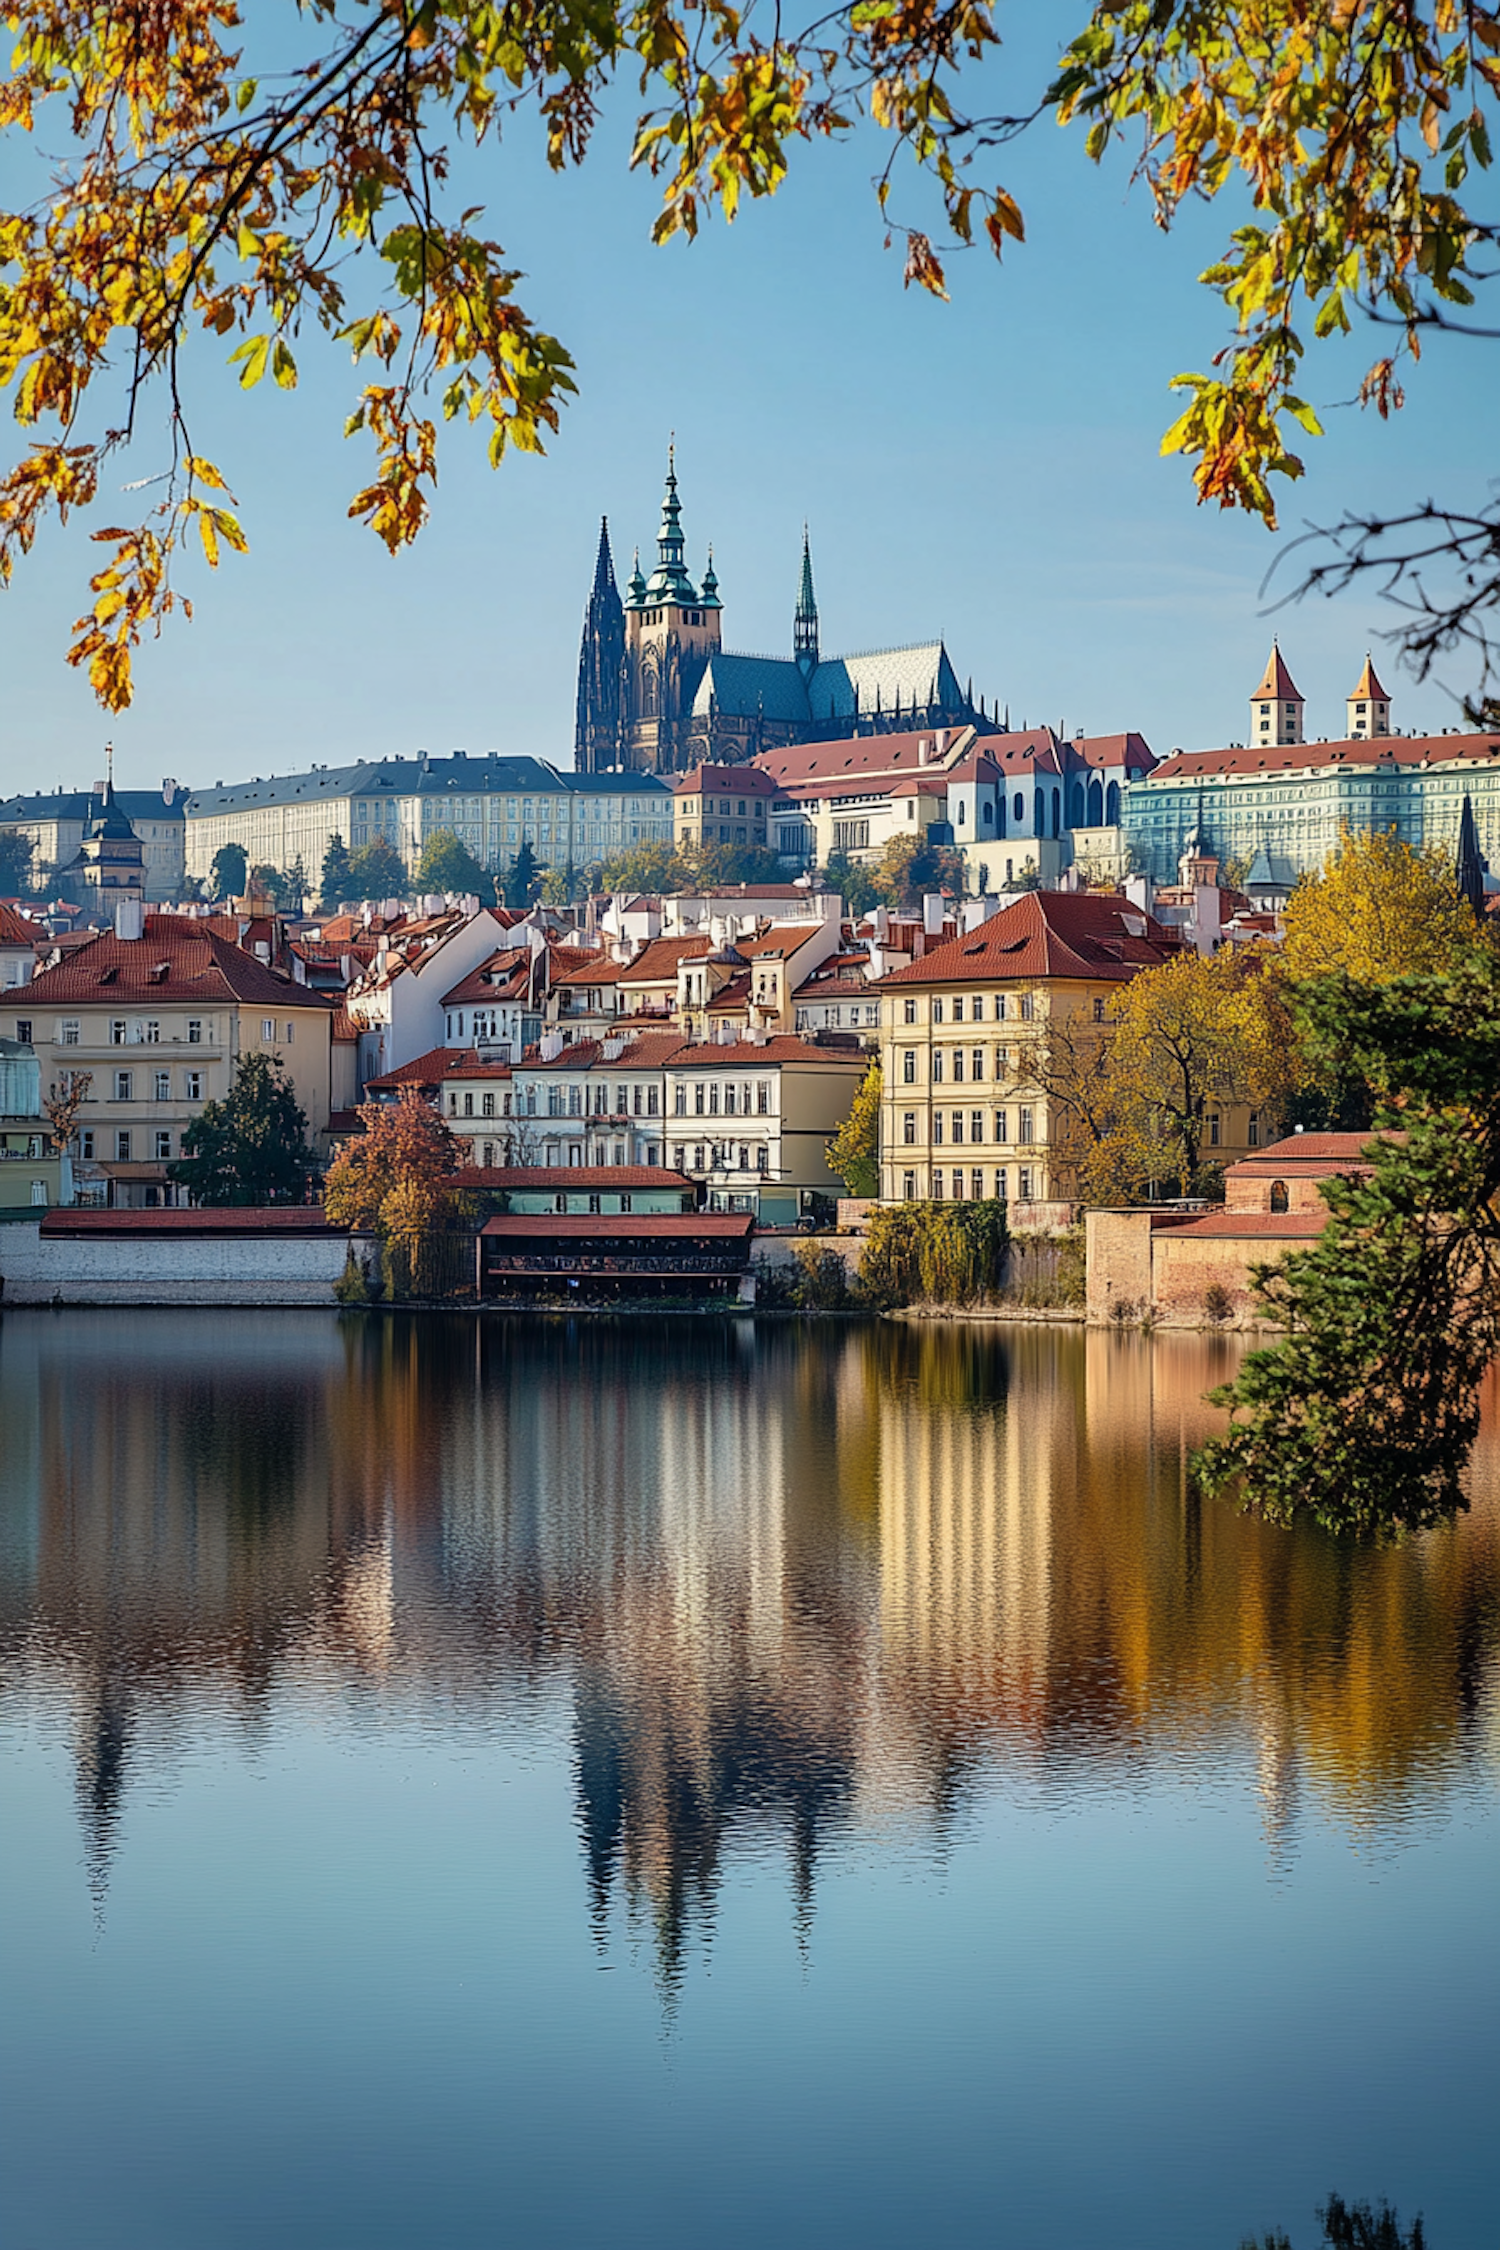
[337, 876]
[252, 1146]
[524, 878]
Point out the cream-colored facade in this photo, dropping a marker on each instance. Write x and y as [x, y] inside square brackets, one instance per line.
[154, 1062]
[55, 827]
[492, 804]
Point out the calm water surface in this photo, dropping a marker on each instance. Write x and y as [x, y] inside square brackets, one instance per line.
[659, 1783]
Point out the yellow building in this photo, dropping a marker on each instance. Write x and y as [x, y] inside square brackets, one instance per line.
[722, 805]
[159, 1022]
[959, 1120]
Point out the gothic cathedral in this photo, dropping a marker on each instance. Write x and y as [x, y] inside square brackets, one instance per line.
[658, 693]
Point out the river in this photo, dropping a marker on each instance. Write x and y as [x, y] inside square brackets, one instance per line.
[676, 1782]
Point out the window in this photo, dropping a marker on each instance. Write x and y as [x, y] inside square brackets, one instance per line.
[651, 1093]
[68, 1032]
[729, 1099]
[976, 1124]
[851, 835]
[763, 1158]
[453, 1105]
[697, 1156]
[958, 1066]
[1024, 1184]
[23, 1030]
[1098, 1009]
[744, 1156]
[1253, 1135]
[487, 1155]
[1028, 1007]
[937, 1128]
[487, 1105]
[937, 1011]
[195, 1031]
[122, 1148]
[153, 1032]
[763, 1098]
[161, 1086]
[937, 1066]
[86, 1146]
[268, 1031]
[193, 1081]
[290, 1029]
[908, 1187]
[909, 1009]
[38, 1191]
[713, 1099]
[162, 1147]
[1024, 1131]
[958, 1184]
[909, 1128]
[909, 1066]
[1213, 1132]
[117, 1031]
[1279, 1199]
[958, 1126]
[698, 1100]
[976, 1065]
[625, 1203]
[999, 1007]
[1000, 1185]
[124, 1081]
[958, 1008]
[937, 1187]
[1002, 1126]
[679, 1101]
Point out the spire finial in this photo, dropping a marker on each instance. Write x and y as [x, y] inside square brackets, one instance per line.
[805, 619]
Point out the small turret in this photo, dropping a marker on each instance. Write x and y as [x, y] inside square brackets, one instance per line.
[1368, 709]
[635, 592]
[709, 598]
[1276, 706]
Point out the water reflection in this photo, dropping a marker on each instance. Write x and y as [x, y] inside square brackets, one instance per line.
[785, 1582]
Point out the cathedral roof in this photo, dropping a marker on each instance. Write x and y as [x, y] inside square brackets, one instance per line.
[841, 687]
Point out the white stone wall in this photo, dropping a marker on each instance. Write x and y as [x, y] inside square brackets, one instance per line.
[162, 1270]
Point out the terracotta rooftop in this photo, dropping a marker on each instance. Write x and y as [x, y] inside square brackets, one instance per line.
[170, 964]
[1315, 757]
[863, 754]
[1046, 934]
[424, 1070]
[502, 977]
[16, 930]
[1254, 1225]
[1324, 1148]
[546, 1179]
[1276, 682]
[734, 1226]
[657, 962]
[748, 780]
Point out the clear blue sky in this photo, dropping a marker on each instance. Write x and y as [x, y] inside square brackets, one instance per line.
[985, 469]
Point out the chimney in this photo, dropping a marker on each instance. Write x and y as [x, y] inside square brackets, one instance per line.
[130, 918]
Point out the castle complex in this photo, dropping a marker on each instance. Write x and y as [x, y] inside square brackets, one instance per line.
[659, 693]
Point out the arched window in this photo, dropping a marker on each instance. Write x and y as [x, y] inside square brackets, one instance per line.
[1112, 805]
[1057, 812]
[1077, 806]
[1020, 806]
[1278, 1195]
[648, 695]
[1096, 804]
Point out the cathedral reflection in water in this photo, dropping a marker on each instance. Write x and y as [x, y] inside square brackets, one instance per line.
[787, 1578]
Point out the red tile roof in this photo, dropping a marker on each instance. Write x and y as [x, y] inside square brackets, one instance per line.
[1253, 1226]
[749, 780]
[743, 1054]
[1132, 751]
[861, 754]
[580, 1178]
[1297, 757]
[612, 1226]
[502, 977]
[278, 1219]
[168, 964]
[1321, 1148]
[16, 930]
[475, 1069]
[599, 968]
[657, 962]
[1046, 934]
[424, 1070]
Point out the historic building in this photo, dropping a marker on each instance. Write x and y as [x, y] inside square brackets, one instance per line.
[1278, 804]
[659, 693]
[60, 822]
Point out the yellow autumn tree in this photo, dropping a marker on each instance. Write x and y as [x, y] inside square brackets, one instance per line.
[395, 1179]
[854, 1151]
[1379, 909]
[1192, 1033]
[263, 176]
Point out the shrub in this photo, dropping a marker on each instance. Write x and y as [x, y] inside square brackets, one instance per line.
[775, 1285]
[1217, 1302]
[824, 1283]
[943, 1253]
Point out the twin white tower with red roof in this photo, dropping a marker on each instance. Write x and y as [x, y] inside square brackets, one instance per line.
[1276, 707]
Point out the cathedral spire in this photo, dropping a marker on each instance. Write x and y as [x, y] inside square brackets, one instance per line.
[669, 582]
[596, 732]
[805, 622]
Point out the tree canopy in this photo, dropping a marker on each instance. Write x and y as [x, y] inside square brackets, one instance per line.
[523, 878]
[262, 178]
[1379, 909]
[1363, 1414]
[336, 878]
[447, 864]
[252, 1146]
[15, 863]
[377, 870]
[230, 871]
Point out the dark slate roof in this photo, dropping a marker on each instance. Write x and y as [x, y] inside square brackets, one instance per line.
[754, 686]
[920, 674]
[87, 804]
[422, 777]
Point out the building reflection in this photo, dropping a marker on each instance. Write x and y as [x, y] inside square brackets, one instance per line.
[791, 1579]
